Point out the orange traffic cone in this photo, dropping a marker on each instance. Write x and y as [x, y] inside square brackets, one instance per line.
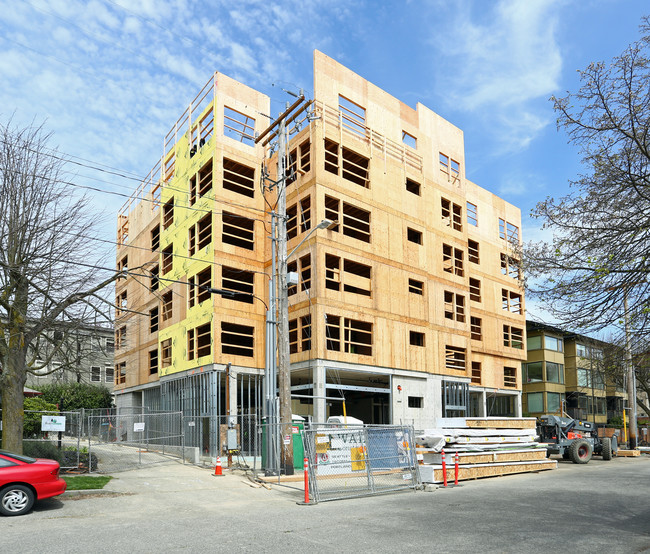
[218, 472]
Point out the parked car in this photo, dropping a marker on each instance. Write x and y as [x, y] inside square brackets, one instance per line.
[24, 480]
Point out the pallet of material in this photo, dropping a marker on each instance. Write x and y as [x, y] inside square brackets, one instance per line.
[464, 458]
[434, 474]
[489, 422]
[627, 453]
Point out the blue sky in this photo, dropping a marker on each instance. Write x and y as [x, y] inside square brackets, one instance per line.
[109, 77]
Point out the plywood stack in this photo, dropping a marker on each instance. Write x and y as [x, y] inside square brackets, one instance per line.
[486, 447]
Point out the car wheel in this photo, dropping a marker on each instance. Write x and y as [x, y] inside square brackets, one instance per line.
[607, 448]
[580, 451]
[16, 500]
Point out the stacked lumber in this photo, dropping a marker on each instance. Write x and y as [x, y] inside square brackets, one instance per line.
[486, 447]
[627, 453]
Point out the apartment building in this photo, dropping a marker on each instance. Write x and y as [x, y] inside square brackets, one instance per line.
[567, 371]
[407, 308]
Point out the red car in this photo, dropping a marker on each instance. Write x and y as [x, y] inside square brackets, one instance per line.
[24, 480]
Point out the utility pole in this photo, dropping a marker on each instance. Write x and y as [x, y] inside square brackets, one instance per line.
[631, 377]
[279, 294]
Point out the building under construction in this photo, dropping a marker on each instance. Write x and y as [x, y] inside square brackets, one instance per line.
[406, 308]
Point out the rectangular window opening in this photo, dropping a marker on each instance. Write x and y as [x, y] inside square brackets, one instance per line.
[455, 358]
[413, 187]
[414, 236]
[238, 231]
[416, 287]
[237, 339]
[416, 338]
[238, 126]
[472, 214]
[409, 140]
[239, 281]
[238, 178]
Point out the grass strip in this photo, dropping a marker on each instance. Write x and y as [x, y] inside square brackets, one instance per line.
[86, 482]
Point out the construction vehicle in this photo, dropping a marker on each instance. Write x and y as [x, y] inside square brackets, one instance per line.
[574, 439]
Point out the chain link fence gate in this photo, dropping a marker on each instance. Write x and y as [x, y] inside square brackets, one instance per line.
[352, 461]
[126, 441]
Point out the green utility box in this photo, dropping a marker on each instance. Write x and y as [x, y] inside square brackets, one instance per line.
[297, 425]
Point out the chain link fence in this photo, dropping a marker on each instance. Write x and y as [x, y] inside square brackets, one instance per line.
[125, 441]
[351, 461]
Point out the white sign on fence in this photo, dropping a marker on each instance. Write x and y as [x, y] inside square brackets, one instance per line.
[138, 427]
[52, 423]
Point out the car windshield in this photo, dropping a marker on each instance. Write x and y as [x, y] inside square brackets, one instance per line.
[18, 457]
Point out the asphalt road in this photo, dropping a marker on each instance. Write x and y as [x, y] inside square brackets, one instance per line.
[602, 507]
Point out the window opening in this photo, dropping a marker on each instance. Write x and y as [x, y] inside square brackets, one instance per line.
[153, 361]
[472, 252]
[238, 231]
[292, 222]
[168, 259]
[414, 236]
[305, 214]
[450, 169]
[153, 320]
[305, 272]
[513, 337]
[472, 214]
[305, 324]
[155, 238]
[293, 336]
[237, 339]
[205, 179]
[455, 358]
[240, 281]
[476, 373]
[510, 376]
[413, 187]
[348, 164]
[455, 306]
[353, 116]
[96, 374]
[166, 352]
[238, 178]
[511, 301]
[168, 213]
[476, 331]
[510, 267]
[416, 338]
[120, 373]
[154, 280]
[508, 231]
[167, 303]
[416, 287]
[452, 214]
[452, 260]
[474, 289]
[199, 342]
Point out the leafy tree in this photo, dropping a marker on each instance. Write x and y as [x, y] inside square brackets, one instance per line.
[32, 422]
[49, 283]
[74, 396]
[598, 258]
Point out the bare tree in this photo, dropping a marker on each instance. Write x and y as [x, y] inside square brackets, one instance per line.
[50, 284]
[600, 246]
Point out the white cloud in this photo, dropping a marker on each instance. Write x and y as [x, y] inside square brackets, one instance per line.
[501, 68]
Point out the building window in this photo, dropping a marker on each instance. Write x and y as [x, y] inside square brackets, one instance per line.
[166, 352]
[121, 303]
[153, 320]
[170, 164]
[512, 337]
[455, 358]
[202, 130]
[553, 343]
[110, 346]
[299, 161]
[449, 169]
[167, 304]
[238, 178]
[293, 336]
[416, 287]
[508, 231]
[120, 338]
[347, 163]
[553, 400]
[534, 372]
[554, 372]
[474, 289]
[511, 301]
[154, 280]
[476, 331]
[238, 231]
[476, 373]
[239, 281]
[472, 214]
[304, 275]
[155, 238]
[357, 335]
[413, 187]
[409, 140]
[305, 326]
[352, 221]
[153, 361]
[292, 222]
[356, 277]
[237, 339]
[535, 402]
[109, 374]
[123, 266]
[96, 374]
[510, 266]
[120, 373]
[510, 377]
[473, 252]
[168, 213]
[238, 126]
[304, 217]
[455, 306]
[168, 259]
[204, 184]
[199, 341]
[452, 214]
[416, 338]
[200, 235]
[414, 236]
[415, 401]
[198, 287]
[534, 342]
[353, 116]
[452, 260]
